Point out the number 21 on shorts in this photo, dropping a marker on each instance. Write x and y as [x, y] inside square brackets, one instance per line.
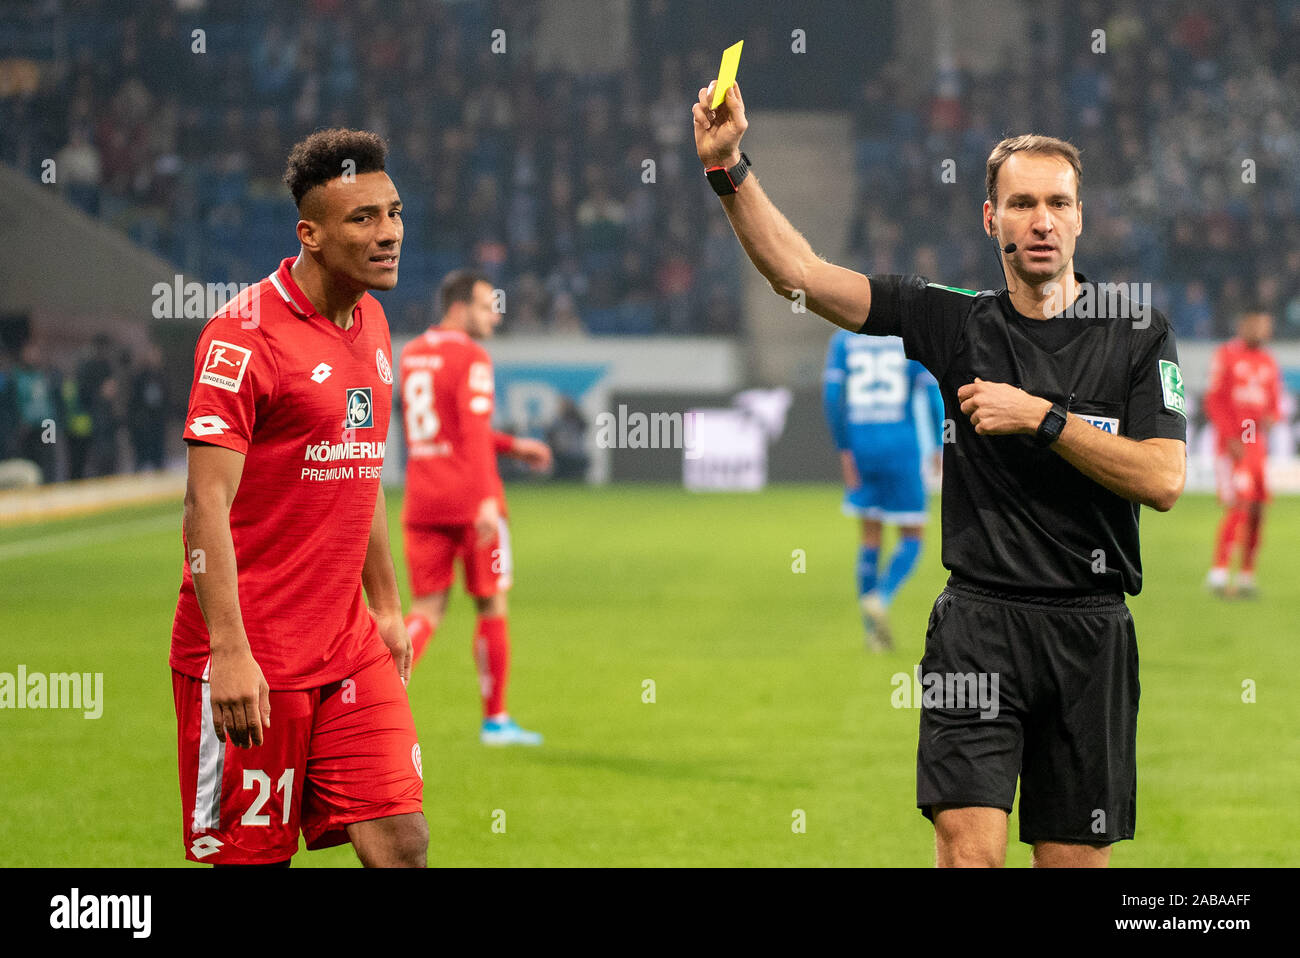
[255, 778]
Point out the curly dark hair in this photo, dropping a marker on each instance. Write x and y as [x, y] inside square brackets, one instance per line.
[321, 157]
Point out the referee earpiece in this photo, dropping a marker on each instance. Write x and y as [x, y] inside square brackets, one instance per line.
[997, 240]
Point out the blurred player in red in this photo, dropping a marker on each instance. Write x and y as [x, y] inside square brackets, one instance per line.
[455, 503]
[1243, 402]
[286, 538]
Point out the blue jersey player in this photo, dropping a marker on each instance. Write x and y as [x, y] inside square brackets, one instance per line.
[871, 394]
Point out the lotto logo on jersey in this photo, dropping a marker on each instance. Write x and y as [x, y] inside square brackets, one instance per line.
[224, 365]
[208, 426]
[361, 413]
[205, 845]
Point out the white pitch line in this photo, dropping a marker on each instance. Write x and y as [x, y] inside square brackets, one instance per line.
[72, 539]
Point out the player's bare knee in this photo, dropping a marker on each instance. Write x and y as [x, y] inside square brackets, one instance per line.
[491, 605]
[412, 849]
[433, 607]
[971, 857]
[401, 841]
[964, 848]
[1070, 855]
[969, 837]
[970, 852]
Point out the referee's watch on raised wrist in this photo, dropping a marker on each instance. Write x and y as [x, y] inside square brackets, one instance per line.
[1049, 430]
[726, 181]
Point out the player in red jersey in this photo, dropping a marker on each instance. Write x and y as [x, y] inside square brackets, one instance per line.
[274, 649]
[1243, 402]
[455, 503]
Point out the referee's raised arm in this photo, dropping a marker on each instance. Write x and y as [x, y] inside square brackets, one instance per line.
[776, 248]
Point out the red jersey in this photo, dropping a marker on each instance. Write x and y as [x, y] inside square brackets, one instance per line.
[447, 398]
[1244, 387]
[307, 403]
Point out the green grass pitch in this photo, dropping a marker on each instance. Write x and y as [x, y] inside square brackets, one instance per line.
[765, 702]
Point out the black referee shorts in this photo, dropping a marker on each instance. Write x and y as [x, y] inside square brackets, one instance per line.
[1059, 710]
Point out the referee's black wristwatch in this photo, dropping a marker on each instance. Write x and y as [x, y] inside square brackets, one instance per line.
[726, 181]
[1049, 430]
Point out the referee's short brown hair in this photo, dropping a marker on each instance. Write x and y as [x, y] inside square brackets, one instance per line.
[1030, 143]
[458, 287]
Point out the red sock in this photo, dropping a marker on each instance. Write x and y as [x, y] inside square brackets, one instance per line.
[492, 656]
[420, 630]
[1254, 522]
[1228, 528]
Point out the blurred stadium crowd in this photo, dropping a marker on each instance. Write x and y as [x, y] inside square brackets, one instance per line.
[110, 411]
[1165, 118]
[530, 174]
[519, 172]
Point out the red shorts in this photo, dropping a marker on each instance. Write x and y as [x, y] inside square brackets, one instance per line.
[342, 753]
[1241, 482]
[432, 551]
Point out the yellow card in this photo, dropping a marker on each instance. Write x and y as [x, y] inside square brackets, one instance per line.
[726, 72]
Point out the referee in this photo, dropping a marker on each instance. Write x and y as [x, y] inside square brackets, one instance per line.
[1067, 413]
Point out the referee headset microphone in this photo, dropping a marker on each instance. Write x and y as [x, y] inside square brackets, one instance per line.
[1006, 327]
[1008, 250]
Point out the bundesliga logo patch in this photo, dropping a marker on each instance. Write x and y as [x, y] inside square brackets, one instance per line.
[224, 366]
[361, 414]
[1171, 383]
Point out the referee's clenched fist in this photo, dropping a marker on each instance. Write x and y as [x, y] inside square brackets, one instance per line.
[1000, 409]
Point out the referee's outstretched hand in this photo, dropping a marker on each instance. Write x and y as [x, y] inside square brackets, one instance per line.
[718, 132]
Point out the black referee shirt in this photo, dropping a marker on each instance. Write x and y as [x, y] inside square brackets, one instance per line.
[1017, 517]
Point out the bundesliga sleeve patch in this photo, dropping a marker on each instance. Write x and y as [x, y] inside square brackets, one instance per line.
[225, 365]
[1171, 384]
